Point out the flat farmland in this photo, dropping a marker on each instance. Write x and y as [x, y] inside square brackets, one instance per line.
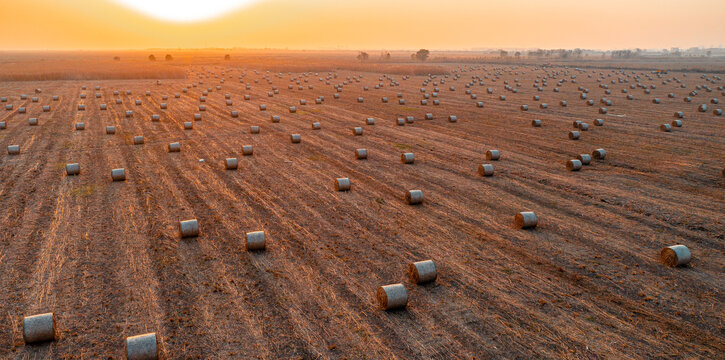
[107, 258]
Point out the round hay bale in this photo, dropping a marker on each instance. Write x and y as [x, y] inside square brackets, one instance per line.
[717, 112]
[9, 107]
[292, 109]
[598, 122]
[407, 158]
[138, 102]
[247, 150]
[574, 135]
[129, 113]
[599, 154]
[479, 104]
[585, 159]
[524, 107]
[429, 116]
[33, 121]
[275, 118]
[235, 113]
[72, 169]
[13, 149]
[39, 328]
[677, 123]
[485, 170]
[142, 347]
[666, 127]
[421, 272]
[247, 97]
[155, 117]
[357, 131]
[342, 184]
[452, 118]
[118, 174]
[400, 121]
[361, 154]
[675, 255]
[81, 107]
[414, 197]
[602, 110]
[526, 220]
[174, 147]
[562, 103]
[197, 117]
[392, 296]
[163, 106]
[188, 125]
[583, 126]
[189, 228]
[493, 155]
[110, 130]
[360, 99]
[255, 240]
[384, 99]
[316, 126]
[536, 123]
[3, 125]
[231, 163]
[296, 138]
[543, 105]
[702, 108]
[46, 108]
[410, 119]
[401, 101]
[202, 107]
[80, 126]
[370, 121]
[138, 140]
[574, 165]
[119, 101]
[262, 107]
[254, 129]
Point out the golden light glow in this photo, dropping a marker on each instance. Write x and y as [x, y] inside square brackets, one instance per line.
[185, 11]
[368, 24]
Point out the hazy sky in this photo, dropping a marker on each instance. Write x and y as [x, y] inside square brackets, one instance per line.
[361, 24]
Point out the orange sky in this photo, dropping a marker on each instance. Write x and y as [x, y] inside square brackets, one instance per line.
[371, 24]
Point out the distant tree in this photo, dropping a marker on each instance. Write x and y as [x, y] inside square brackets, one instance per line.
[387, 56]
[169, 57]
[709, 53]
[503, 53]
[578, 52]
[421, 55]
[117, 58]
[227, 57]
[363, 56]
[152, 57]
[517, 54]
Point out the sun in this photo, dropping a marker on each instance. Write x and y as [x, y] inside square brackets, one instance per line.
[185, 10]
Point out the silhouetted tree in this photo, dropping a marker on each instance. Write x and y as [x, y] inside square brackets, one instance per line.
[152, 57]
[503, 53]
[169, 57]
[117, 58]
[227, 57]
[362, 56]
[421, 55]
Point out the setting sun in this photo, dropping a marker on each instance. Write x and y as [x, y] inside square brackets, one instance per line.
[185, 11]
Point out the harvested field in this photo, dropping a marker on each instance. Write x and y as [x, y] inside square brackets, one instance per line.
[587, 282]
